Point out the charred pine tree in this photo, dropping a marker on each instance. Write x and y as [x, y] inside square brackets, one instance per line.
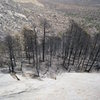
[75, 48]
[36, 53]
[29, 44]
[84, 56]
[66, 50]
[96, 52]
[46, 26]
[18, 50]
[72, 42]
[77, 40]
[91, 53]
[82, 46]
[96, 55]
[9, 40]
[51, 50]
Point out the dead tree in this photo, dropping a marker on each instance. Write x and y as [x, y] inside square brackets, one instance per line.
[10, 49]
[29, 43]
[94, 59]
[66, 50]
[74, 46]
[46, 26]
[95, 51]
[36, 53]
[92, 53]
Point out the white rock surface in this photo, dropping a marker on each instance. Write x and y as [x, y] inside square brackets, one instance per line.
[68, 86]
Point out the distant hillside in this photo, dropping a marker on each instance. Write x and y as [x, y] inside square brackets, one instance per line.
[75, 1]
[79, 1]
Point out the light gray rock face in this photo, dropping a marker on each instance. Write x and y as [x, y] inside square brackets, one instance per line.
[11, 16]
[14, 16]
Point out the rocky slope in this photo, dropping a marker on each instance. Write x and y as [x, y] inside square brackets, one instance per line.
[14, 16]
[86, 12]
[11, 16]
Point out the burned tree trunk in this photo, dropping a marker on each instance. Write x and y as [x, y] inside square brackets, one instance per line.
[10, 48]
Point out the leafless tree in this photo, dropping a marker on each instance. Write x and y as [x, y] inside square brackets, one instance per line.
[9, 40]
[45, 24]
